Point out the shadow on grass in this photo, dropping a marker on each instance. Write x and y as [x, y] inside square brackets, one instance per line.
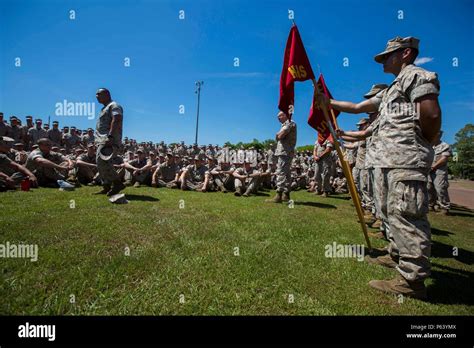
[439, 232]
[142, 198]
[262, 194]
[316, 205]
[461, 208]
[450, 286]
[446, 251]
[340, 197]
[451, 213]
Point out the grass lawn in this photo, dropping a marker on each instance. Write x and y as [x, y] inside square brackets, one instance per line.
[183, 260]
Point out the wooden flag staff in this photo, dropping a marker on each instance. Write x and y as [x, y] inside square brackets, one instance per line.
[345, 168]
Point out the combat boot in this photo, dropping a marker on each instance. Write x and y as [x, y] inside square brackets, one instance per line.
[104, 190]
[238, 192]
[285, 197]
[369, 219]
[376, 252]
[325, 194]
[401, 286]
[385, 260]
[116, 188]
[276, 199]
[376, 224]
[378, 235]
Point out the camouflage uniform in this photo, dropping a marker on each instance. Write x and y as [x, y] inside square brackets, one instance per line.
[438, 179]
[5, 168]
[403, 164]
[16, 132]
[142, 177]
[364, 183]
[166, 174]
[249, 185]
[36, 134]
[5, 129]
[195, 177]
[285, 151]
[86, 174]
[369, 167]
[106, 169]
[88, 139]
[46, 176]
[322, 168]
[222, 180]
[340, 185]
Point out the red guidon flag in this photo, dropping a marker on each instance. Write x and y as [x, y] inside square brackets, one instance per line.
[316, 117]
[296, 67]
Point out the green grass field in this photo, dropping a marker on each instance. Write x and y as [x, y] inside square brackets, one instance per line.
[188, 254]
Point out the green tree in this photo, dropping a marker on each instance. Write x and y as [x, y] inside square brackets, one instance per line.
[462, 165]
[305, 148]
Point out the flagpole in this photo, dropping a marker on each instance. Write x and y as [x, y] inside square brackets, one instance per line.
[198, 92]
[345, 168]
[331, 109]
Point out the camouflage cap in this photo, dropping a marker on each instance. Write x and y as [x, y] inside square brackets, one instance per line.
[6, 141]
[395, 44]
[141, 149]
[375, 89]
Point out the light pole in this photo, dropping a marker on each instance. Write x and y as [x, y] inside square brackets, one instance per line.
[198, 91]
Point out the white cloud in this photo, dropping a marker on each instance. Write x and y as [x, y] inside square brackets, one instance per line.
[423, 60]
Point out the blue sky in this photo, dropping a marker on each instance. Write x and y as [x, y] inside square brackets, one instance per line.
[69, 59]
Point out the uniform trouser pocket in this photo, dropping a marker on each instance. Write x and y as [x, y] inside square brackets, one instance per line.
[407, 208]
